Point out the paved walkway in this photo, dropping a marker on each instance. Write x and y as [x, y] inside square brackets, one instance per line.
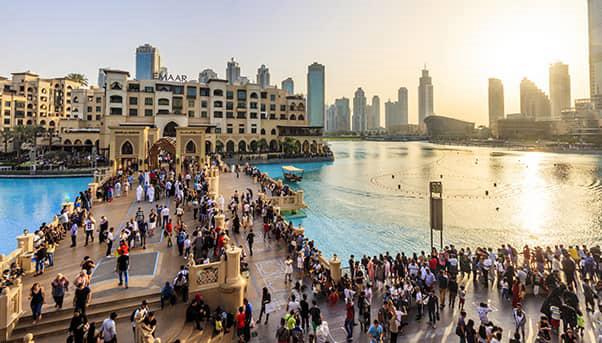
[267, 270]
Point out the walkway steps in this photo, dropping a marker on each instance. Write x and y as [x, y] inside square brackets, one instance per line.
[54, 322]
[189, 334]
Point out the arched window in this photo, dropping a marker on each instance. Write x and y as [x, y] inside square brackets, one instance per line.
[218, 92]
[51, 123]
[274, 146]
[43, 122]
[77, 142]
[208, 147]
[116, 99]
[127, 148]
[88, 142]
[293, 117]
[242, 146]
[301, 117]
[190, 147]
[219, 147]
[67, 142]
[163, 102]
[230, 146]
[253, 95]
[273, 132]
[253, 146]
[170, 129]
[292, 107]
[262, 131]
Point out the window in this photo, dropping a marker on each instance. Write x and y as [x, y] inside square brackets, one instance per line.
[253, 95]
[262, 131]
[229, 114]
[178, 89]
[272, 107]
[218, 130]
[254, 129]
[218, 104]
[282, 108]
[282, 116]
[115, 85]
[272, 97]
[229, 95]
[7, 104]
[191, 92]
[241, 94]
[190, 147]
[148, 101]
[191, 114]
[272, 116]
[163, 102]
[204, 104]
[218, 92]
[229, 105]
[264, 95]
[133, 101]
[229, 128]
[178, 104]
[241, 105]
[89, 109]
[133, 111]
[115, 99]
[218, 114]
[98, 99]
[253, 115]
[190, 103]
[204, 92]
[116, 111]
[241, 115]
[301, 117]
[262, 107]
[127, 148]
[241, 128]
[97, 109]
[273, 132]
[98, 117]
[253, 105]
[203, 114]
[6, 121]
[89, 117]
[148, 112]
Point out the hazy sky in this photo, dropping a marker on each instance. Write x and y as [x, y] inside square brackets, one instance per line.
[378, 45]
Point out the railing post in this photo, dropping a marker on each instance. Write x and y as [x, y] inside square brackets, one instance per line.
[335, 268]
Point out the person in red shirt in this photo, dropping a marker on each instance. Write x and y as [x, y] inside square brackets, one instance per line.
[169, 232]
[241, 323]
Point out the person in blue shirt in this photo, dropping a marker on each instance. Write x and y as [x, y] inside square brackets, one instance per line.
[375, 332]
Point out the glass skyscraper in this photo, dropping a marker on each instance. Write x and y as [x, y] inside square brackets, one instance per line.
[595, 51]
[315, 94]
[148, 62]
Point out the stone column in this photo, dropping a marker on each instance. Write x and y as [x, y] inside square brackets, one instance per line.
[25, 242]
[220, 221]
[233, 265]
[335, 268]
[276, 211]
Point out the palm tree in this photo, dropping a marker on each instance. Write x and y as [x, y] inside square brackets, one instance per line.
[6, 136]
[288, 146]
[77, 77]
[262, 145]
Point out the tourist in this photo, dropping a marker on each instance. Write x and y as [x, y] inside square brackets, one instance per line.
[108, 329]
[109, 239]
[432, 305]
[60, 285]
[288, 270]
[168, 294]
[250, 240]
[88, 265]
[375, 332]
[169, 232]
[461, 327]
[197, 311]
[282, 334]
[139, 193]
[266, 298]
[483, 311]
[73, 232]
[520, 319]
[137, 317]
[89, 225]
[147, 327]
[78, 326]
[36, 301]
[316, 315]
[40, 257]
[152, 222]
[82, 297]
[181, 283]
[103, 229]
[240, 324]
[122, 267]
[165, 215]
[349, 318]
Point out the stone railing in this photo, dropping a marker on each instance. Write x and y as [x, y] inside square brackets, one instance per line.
[11, 309]
[292, 202]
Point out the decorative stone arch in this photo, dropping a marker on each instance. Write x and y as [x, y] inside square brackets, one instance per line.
[77, 142]
[219, 147]
[274, 146]
[166, 144]
[67, 142]
[314, 147]
[88, 142]
[170, 129]
[297, 146]
[262, 132]
[301, 117]
[208, 147]
[305, 147]
[230, 147]
[190, 147]
[242, 146]
[273, 132]
[127, 148]
[293, 117]
[253, 146]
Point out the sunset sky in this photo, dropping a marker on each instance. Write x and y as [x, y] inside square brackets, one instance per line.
[378, 45]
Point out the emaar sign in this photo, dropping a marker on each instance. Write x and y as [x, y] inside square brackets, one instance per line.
[170, 77]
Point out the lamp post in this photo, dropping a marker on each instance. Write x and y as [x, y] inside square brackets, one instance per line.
[436, 210]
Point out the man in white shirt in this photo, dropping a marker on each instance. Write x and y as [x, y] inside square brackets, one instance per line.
[165, 215]
[108, 330]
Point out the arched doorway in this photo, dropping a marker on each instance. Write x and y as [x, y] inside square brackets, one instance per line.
[230, 147]
[274, 146]
[253, 146]
[163, 151]
[305, 147]
[208, 147]
[219, 147]
[170, 129]
[242, 146]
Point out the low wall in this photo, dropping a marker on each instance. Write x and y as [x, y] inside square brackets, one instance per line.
[11, 309]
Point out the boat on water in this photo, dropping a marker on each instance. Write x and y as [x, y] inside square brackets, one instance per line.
[292, 173]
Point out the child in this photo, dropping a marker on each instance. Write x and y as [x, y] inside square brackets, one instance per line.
[462, 297]
[187, 246]
[580, 324]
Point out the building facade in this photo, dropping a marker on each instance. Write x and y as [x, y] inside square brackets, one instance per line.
[374, 114]
[595, 51]
[288, 85]
[534, 103]
[441, 127]
[560, 89]
[496, 104]
[316, 94]
[359, 111]
[402, 103]
[343, 114]
[331, 123]
[148, 62]
[232, 71]
[206, 75]
[425, 97]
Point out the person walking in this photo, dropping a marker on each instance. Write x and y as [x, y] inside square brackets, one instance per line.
[461, 327]
[250, 240]
[82, 297]
[36, 301]
[376, 332]
[349, 319]
[60, 285]
[266, 298]
[89, 225]
[110, 239]
[108, 329]
[433, 308]
[288, 270]
[78, 326]
[73, 233]
[122, 267]
[520, 319]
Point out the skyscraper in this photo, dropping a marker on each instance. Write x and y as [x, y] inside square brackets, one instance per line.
[331, 122]
[595, 51]
[288, 85]
[496, 104]
[534, 103]
[342, 114]
[359, 111]
[374, 118]
[263, 76]
[402, 103]
[391, 111]
[425, 97]
[148, 62]
[560, 88]
[232, 71]
[207, 75]
[315, 94]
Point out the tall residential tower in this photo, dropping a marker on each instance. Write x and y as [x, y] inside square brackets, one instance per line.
[263, 76]
[288, 85]
[425, 97]
[148, 62]
[232, 71]
[496, 104]
[316, 94]
[359, 111]
[560, 88]
[595, 51]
